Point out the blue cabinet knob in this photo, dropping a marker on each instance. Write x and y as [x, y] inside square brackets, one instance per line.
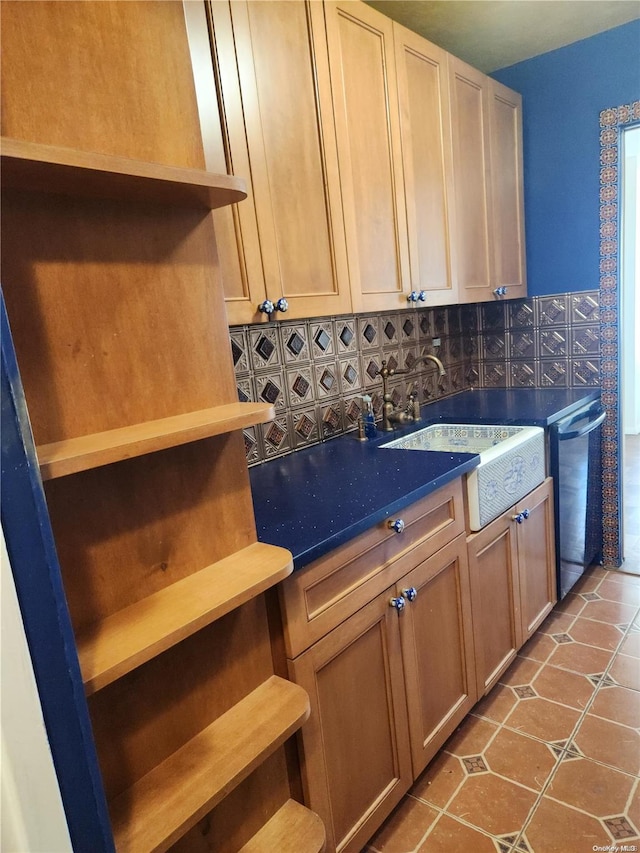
[397, 526]
[410, 594]
[282, 305]
[398, 603]
[267, 307]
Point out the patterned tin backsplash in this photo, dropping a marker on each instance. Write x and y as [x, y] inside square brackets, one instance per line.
[315, 371]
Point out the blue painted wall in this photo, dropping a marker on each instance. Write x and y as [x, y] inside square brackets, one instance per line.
[563, 93]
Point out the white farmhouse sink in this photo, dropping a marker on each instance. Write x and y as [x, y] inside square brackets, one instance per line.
[512, 462]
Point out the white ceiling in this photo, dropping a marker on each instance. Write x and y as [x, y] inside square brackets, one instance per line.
[492, 34]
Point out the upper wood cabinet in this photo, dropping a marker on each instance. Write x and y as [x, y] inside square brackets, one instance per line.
[277, 118]
[363, 76]
[425, 122]
[470, 129]
[377, 164]
[505, 122]
[487, 166]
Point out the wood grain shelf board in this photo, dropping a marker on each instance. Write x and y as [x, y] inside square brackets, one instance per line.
[175, 795]
[292, 829]
[52, 169]
[123, 641]
[72, 455]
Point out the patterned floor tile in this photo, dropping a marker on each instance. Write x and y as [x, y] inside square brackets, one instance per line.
[577, 657]
[497, 704]
[614, 612]
[631, 645]
[625, 671]
[471, 737]
[633, 810]
[521, 759]
[405, 828]
[538, 648]
[450, 834]
[594, 788]
[599, 634]
[543, 719]
[493, 804]
[522, 671]
[618, 704]
[440, 780]
[570, 605]
[555, 828]
[624, 577]
[620, 592]
[622, 830]
[556, 623]
[589, 582]
[567, 688]
[609, 743]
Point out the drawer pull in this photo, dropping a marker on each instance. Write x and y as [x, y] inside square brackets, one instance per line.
[410, 594]
[398, 603]
[397, 526]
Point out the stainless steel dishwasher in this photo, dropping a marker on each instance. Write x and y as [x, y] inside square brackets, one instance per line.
[575, 461]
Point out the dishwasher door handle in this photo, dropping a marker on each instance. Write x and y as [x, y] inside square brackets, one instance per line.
[583, 430]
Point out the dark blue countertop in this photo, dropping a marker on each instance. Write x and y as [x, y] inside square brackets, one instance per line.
[516, 406]
[318, 498]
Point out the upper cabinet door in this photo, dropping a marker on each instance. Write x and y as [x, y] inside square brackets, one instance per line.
[365, 96]
[423, 93]
[471, 140]
[507, 185]
[275, 95]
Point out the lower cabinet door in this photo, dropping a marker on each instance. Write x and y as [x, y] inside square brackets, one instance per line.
[495, 597]
[437, 648]
[355, 757]
[536, 556]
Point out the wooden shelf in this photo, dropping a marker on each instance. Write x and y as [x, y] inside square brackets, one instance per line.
[168, 801]
[53, 169]
[121, 642]
[102, 448]
[291, 829]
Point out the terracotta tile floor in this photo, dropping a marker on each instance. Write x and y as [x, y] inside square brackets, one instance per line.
[549, 761]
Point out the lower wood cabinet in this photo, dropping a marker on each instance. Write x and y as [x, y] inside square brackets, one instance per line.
[437, 649]
[395, 638]
[356, 764]
[513, 581]
[387, 687]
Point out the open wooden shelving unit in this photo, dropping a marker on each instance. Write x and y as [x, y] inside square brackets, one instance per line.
[109, 649]
[111, 282]
[56, 169]
[159, 808]
[60, 458]
[291, 829]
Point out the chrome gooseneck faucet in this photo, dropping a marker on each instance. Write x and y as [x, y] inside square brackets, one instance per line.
[390, 414]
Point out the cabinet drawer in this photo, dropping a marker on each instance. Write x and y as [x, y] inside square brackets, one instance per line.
[325, 593]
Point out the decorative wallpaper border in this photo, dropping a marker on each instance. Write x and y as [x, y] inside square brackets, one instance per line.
[612, 121]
